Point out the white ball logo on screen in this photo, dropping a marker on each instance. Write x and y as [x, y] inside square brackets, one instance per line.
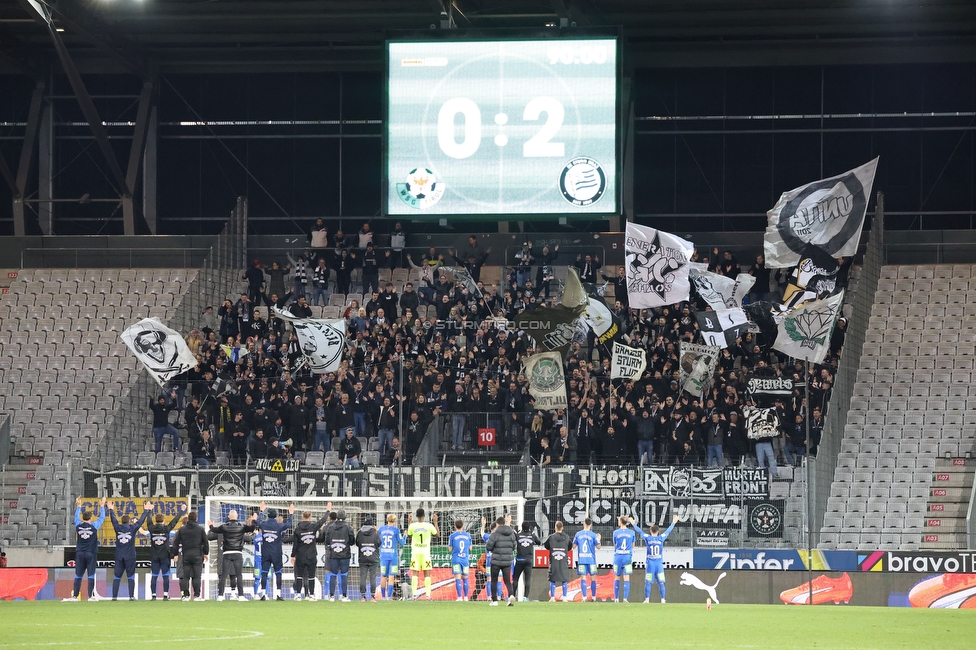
[421, 190]
[582, 181]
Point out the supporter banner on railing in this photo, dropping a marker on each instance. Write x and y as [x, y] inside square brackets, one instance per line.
[711, 483]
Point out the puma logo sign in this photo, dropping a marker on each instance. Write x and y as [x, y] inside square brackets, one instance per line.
[689, 580]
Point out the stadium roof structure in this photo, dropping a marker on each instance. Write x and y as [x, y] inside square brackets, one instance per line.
[215, 36]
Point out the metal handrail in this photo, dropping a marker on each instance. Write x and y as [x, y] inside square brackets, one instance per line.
[971, 520]
[185, 254]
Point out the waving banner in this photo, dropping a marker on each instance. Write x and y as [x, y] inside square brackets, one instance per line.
[761, 424]
[828, 213]
[657, 267]
[813, 278]
[322, 340]
[628, 362]
[547, 384]
[719, 291]
[162, 351]
[805, 332]
[697, 366]
[721, 327]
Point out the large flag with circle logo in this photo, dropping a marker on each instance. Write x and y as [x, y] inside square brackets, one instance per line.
[828, 213]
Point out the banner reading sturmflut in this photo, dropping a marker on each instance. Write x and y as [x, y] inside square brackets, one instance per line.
[628, 362]
[828, 213]
[547, 384]
[162, 351]
[657, 267]
[322, 340]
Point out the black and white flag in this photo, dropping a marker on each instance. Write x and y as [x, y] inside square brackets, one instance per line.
[697, 366]
[721, 327]
[547, 383]
[463, 277]
[761, 423]
[162, 351]
[628, 362]
[813, 278]
[828, 213]
[657, 267]
[719, 291]
[322, 340]
[805, 332]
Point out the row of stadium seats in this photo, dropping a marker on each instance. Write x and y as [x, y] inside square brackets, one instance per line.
[111, 275]
[24, 302]
[915, 390]
[879, 320]
[60, 312]
[928, 271]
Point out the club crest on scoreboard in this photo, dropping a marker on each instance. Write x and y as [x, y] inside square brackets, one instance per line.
[421, 189]
[582, 181]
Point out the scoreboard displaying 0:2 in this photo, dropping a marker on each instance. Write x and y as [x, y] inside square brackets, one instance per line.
[515, 127]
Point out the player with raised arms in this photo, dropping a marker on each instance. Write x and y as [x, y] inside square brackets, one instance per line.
[623, 559]
[125, 548]
[420, 533]
[159, 557]
[272, 530]
[654, 567]
[460, 543]
[86, 549]
[391, 541]
[586, 542]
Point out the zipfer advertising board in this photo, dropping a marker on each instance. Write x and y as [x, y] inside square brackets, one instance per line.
[754, 559]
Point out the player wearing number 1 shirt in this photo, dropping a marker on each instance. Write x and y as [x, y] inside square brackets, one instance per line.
[420, 532]
[623, 558]
[586, 542]
[460, 543]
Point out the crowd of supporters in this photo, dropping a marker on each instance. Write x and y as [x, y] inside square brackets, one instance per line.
[250, 394]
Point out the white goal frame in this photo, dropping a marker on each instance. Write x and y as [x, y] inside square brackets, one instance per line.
[384, 504]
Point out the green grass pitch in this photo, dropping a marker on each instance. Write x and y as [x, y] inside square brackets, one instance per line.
[426, 625]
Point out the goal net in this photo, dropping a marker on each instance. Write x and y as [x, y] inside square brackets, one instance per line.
[469, 510]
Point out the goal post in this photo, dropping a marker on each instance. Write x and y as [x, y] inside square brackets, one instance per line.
[469, 510]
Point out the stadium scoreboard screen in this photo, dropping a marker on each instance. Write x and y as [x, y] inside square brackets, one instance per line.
[512, 127]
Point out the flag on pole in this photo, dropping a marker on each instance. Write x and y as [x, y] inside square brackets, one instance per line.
[828, 213]
[322, 340]
[627, 362]
[657, 267]
[162, 351]
[463, 277]
[719, 291]
[805, 332]
[596, 314]
[813, 278]
[547, 383]
[721, 327]
[697, 364]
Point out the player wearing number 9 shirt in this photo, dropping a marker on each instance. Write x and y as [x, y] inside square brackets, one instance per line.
[586, 543]
[623, 557]
[460, 543]
[391, 540]
[420, 533]
[654, 568]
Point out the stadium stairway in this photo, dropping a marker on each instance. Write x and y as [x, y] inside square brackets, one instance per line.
[948, 504]
[913, 409]
[63, 368]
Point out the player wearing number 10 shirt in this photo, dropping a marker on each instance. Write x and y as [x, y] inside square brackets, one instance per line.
[391, 541]
[654, 568]
[460, 544]
[586, 543]
[623, 557]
